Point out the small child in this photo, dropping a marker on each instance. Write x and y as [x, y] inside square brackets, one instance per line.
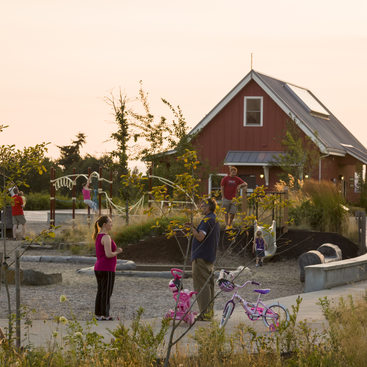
[259, 246]
[86, 196]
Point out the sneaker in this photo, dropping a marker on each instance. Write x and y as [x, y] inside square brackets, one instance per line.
[104, 318]
[257, 265]
[261, 264]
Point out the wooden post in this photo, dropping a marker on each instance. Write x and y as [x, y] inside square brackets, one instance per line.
[150, 185]
[2, 336]
[244, 201]
[73, 196]
[88, 208]
[285, 217]
[111, 192]
[52, 197]
[361, 218]
[17, 300]
[100, 191]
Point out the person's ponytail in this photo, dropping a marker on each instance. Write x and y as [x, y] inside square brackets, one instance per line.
[98, 225]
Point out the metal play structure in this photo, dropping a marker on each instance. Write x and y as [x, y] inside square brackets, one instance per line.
[69, 181]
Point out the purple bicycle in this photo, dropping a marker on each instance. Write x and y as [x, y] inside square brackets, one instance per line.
[273, 315]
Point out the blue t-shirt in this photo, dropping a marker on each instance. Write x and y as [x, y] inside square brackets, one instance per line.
[207, 248]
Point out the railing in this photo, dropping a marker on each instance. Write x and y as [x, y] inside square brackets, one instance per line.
[277, 212]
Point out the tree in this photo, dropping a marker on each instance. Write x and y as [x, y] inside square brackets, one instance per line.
[159, 141]
[121, 137]
[157, 134]
[15, 164]
[301, 155]
[70, 154]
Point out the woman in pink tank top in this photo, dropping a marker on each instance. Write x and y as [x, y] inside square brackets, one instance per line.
[105, 266]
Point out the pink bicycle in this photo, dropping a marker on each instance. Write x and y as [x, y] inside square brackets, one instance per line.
[182, 298]
[273, 315]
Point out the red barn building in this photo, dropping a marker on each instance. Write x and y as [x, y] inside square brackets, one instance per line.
[246, 127]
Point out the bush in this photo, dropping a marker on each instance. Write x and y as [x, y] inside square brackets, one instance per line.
[322, 207]
[41, 201]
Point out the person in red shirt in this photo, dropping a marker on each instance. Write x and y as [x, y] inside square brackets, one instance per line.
[229, 186]
[17, 213]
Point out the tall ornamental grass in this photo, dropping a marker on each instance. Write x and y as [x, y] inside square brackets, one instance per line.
[321, 206]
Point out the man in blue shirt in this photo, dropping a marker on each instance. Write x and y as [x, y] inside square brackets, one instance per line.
[203, 255]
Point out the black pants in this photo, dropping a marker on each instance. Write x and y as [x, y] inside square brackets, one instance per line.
[105, 281]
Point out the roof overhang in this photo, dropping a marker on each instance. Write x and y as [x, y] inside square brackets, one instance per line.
[250, 158]
[355, 153]
[159, 155]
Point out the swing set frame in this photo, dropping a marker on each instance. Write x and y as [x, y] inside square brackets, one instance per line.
[69, 181]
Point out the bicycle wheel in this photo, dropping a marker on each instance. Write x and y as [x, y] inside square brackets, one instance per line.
[227, 312]
[275, 315]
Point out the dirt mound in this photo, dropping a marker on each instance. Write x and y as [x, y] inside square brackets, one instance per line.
[157, 250]
[290, 245]
[296, 242]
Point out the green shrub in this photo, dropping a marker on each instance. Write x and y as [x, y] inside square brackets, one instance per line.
[38, 201]
[41, 201]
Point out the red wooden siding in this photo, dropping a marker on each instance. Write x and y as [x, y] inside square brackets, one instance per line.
[226, 131]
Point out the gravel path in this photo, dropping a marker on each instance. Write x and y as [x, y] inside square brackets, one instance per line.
[130, 293]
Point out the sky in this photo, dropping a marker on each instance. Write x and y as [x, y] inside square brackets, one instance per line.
[60, 60]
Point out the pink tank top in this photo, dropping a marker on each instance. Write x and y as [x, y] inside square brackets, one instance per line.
[103, 262]
[86, 194]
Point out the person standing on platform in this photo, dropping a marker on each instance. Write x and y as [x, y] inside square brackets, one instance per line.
[230, 186]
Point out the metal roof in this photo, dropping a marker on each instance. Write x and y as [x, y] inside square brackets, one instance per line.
[250, 158]
[327, 132]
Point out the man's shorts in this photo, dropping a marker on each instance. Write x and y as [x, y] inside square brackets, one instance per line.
[260, 253]
[19, 219]
[229, 206]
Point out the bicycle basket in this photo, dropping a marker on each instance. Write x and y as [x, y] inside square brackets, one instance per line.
[226, 285]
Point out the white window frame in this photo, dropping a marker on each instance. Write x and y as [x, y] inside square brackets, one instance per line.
[245, 111]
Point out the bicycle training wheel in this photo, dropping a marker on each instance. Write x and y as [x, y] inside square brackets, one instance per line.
[226, 314]
[275, 315]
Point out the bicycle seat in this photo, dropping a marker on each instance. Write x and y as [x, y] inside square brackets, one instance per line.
[262, 291]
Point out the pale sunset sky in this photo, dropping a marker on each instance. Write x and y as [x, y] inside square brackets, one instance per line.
[60, 59]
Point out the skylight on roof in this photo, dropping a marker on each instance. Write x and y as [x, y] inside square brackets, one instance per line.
[347, 145]
[308, 99]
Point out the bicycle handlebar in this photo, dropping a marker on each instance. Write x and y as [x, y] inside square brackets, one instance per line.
[176, 273]
[249, 281]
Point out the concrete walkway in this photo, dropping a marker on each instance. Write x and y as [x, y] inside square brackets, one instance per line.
[41, 331]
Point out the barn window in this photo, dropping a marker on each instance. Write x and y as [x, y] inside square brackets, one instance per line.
[253, 115]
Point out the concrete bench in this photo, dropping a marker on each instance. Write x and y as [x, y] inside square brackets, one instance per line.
[333, 274]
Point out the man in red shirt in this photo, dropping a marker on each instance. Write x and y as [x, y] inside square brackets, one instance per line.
[229, 186]
[17, 213]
